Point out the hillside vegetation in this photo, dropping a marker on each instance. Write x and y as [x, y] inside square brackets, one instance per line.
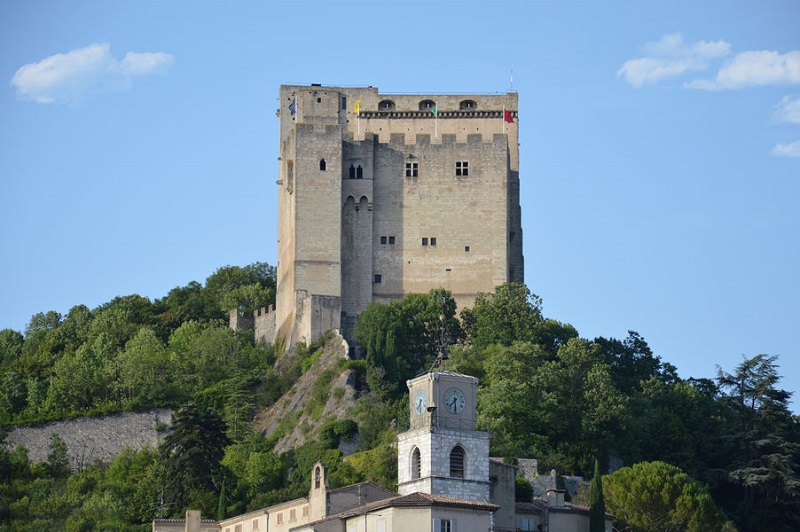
[251, 420]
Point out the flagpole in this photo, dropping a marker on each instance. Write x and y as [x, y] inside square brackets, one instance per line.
[358, 119]
[504, 120]
[436, 120]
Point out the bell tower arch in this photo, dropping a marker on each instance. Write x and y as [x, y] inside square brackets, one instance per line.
[442, 453]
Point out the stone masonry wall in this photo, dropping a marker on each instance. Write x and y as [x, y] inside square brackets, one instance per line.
[92, 439]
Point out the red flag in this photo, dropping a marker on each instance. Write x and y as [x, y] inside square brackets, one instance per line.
[507, 116]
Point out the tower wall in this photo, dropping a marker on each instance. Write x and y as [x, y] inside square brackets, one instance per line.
[405, 201]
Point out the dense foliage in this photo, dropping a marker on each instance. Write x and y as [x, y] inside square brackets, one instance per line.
[717, 450]
[659, 497]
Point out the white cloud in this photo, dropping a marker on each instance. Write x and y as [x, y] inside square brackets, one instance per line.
[788, 110]
[752, 69]
[671, 57]
[81, 73]
[787, 150]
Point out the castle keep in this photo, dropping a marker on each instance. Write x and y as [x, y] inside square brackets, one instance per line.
[383, 195]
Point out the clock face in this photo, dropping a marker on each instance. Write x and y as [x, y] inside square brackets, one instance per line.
[454, 400]
[420, 402]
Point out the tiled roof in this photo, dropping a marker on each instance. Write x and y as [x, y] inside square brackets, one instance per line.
[353, 487]
[420, 499]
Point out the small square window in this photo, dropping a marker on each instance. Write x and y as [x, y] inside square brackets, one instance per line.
[412, 169]
[462, 168]
[391, 240]
[424, 240]
[433, 241]
[378, 278]
[466, 249]
[383, 240]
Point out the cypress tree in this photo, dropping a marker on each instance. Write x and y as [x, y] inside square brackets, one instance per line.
[222, 507]
[597, 505]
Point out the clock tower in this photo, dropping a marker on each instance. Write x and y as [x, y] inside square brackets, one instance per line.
[442, 453]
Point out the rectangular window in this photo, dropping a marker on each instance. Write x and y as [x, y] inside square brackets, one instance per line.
[445, 525]
[254, 526]
[466, 249]
[383, 240]
[462, 168]
[378, 278]
[344, 102]
[292, 515]
[391, 241]
[280, 518]
[412, 169]
[424, 240]
[305, 511]
[433, 241]
[237, 528]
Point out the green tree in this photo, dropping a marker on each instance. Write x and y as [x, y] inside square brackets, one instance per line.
[678, 423]
[42, 345]
[655, 497]
[402, 337]
[597, 505]
[246, 288]
[75, 328]
[582, 411]
[57, 459]
[508, 315]
[10, 347]
[191, 456]
[184, 303]
[632, 362]
[122, 317]
[508, 401]
[144, 370]
[77, 383]
[762, 443]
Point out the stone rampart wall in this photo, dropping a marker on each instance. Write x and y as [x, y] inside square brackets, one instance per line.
[91, 439]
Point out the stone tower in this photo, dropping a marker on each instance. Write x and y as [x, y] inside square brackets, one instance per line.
[442, 453]
[383, 195]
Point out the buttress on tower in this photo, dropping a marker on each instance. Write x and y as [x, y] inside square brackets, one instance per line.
[383, 195]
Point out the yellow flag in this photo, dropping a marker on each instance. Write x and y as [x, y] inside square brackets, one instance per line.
[357, 108]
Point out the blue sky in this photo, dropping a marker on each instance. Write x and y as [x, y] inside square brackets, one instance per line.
[660, 149]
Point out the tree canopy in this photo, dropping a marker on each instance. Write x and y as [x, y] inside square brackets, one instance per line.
[545, 393]
[659, 497]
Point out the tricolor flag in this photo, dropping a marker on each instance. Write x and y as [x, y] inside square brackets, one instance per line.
[357, 108]
[507, 116]
[293, 107]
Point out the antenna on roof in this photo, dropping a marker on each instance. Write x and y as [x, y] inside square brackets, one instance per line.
[512, 81]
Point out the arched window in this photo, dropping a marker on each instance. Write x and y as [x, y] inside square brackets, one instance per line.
[359, 172]
[416, 464]
[467, 104]
[457, 462]
[322, 165]
[386, 105]
[426, 105]
[352, 174]
[317, 475]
